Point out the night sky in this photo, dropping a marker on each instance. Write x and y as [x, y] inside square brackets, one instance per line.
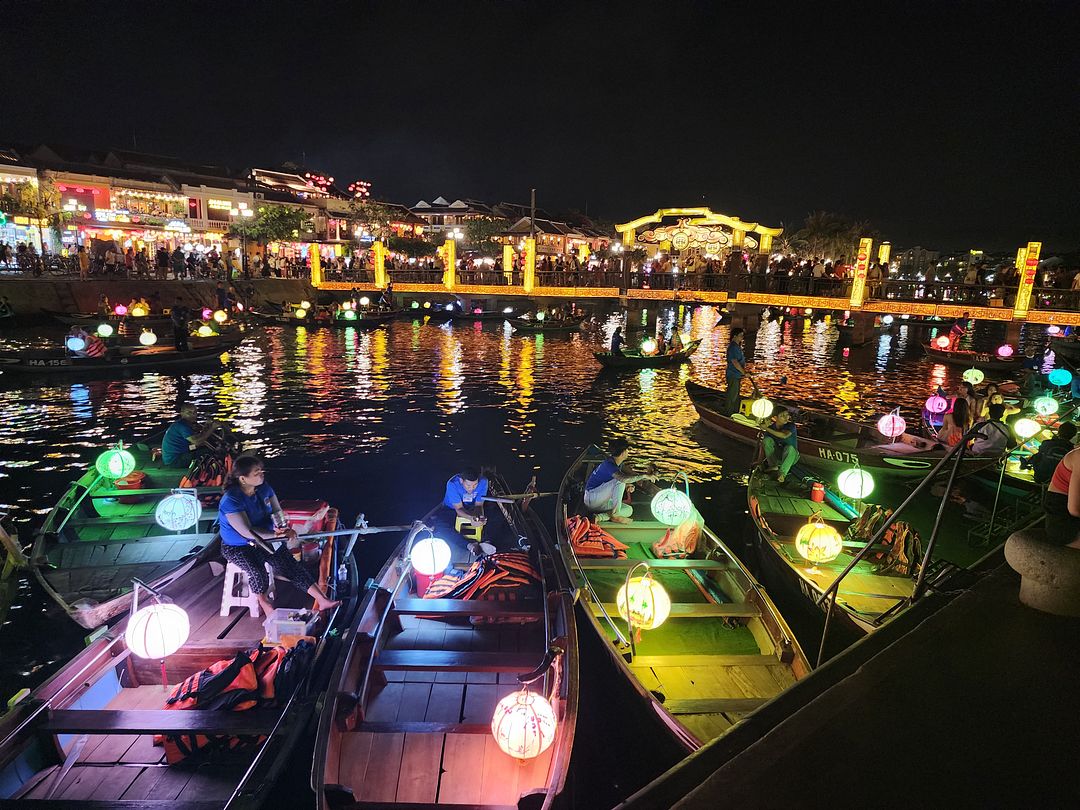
[947, 124]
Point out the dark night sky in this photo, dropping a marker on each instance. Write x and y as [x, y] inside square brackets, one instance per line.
[946, 124]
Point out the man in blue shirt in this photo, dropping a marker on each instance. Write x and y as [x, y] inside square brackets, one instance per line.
[781, 443]
[608, 483]
[463, 499]
[184, 437]
[736, 369]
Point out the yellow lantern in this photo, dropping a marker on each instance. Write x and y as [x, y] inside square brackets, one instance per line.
[818, 542]
[205, 331]
[221, 316]
[524, 724]
[648, 346]
[157, 631]
[761, 408]
[300, 312]
[643, 603]
[139, 311]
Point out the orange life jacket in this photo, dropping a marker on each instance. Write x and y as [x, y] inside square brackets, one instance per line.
[679, 542]
[95, 346]
[499, 577]
[589, 540]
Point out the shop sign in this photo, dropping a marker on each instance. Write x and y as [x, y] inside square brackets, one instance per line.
[219, 205]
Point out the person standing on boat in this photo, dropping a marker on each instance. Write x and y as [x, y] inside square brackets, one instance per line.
[781, 444]
[608, 483]
[247, 508]
[180, 316]
[736, 369]
[617, 341]
[185, 436]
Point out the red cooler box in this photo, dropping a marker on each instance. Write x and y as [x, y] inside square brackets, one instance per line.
[133, 480]
[305, 517]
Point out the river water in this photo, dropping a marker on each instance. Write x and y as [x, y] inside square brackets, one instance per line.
[376, 421]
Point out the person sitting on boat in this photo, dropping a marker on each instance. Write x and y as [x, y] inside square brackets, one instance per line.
[247, 508]
[955, 423]
[180, 315]
[185, 436]
[780, 443]
[995, 436]
[617, 341]
[1044, 461]
[676, 342]
[104, 310]
[463, 499]
[608, 483]
[93, 346]
[1062, 502]
[736, 369]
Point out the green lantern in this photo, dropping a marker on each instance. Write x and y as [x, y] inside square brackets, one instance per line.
[116, 462]
[974, 376]
[671, 507]
[855, 483]
[1045, 406]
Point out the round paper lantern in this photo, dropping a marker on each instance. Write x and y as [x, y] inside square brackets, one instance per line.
[1053, 330]
[477, 311]
[300, 312]
[157, 631]
[350, 315]
[221, 316]
[178, 511]
[1045, 406]
[205, 331]
[818, 542]
[1026, 428]
[147, 338]
[973, 376]
[855, 483]
[415, 305]
[1060, 376]
[430, 556]
[1005, 350]
[365, 301]
[104, 330]
[761, 408]
[887, 320]
[449, 307]
[671, 507]
[648, 346]
[348, 305]
[75, 343]
[891, 425]
[116, 462]
[120, 309]
[524, 724]
[942, 341]
[207, 313]
[540, 315]
[305, 305]
[937, 404]
[139, 311]
[644, 604]
[427, 305]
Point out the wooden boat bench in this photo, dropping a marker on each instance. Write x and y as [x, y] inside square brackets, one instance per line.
[525, 608]
[453, 661]
[160, 721]
[129, 519]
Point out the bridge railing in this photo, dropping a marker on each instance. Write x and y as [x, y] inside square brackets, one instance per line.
[416, 276]
[936, 292]
[579, 278]
[488, 276]
[1055, 299]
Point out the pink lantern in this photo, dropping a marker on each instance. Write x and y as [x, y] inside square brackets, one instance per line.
[892, 425]
[206, 313]
[942, 342]
[1005, 350]
[477, 311]
[937, 404]
[120, 309]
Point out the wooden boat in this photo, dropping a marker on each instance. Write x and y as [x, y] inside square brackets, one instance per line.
[637, 360]
[407, 719]
[983, 360]
[1066, 348]
[363, 319]
[12, 561]
[831, 442]
[533, 326]
[725, 649]
[458, 316]
[85, 738]
[95, 540]
[118, 359]
[93, 319]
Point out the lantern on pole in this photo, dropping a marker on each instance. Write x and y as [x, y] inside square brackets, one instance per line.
[855, 483]
[157, 630]
[892, 425]
[524, 724]
[943, 341]
[147, 338]
[116, 462]
[818, 542]
[761, 408]
[1026, 428]
[670, 506]
[179, 511]
[937, 404]
[430, 556]
[642, 602]
[221, 316]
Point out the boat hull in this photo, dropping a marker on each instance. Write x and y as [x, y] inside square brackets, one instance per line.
[125, 359]
[628, 361]
[981, 360]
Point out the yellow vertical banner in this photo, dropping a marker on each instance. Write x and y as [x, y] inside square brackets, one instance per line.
[884, 253]
[765, 243]
[1021, 254]
[508, 263]
[379, 250]
[449, 275]
[316, 265]
[1027, 278]
[737, 238]
[858, 279]
[529, 276]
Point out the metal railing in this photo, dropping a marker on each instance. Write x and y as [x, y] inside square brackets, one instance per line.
[416, 275]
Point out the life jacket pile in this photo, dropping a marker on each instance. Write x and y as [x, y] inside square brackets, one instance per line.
[250, 679]
[589, 540]
[209, 471]
[679, 542]
[504, 577]
[903, 546]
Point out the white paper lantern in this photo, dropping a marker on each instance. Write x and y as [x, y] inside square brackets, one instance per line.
[178, 511]
[671, 507]
[761, 408]
[157, 631]
[855, 483]
[430, 556]
[524, 724]
[147, 338]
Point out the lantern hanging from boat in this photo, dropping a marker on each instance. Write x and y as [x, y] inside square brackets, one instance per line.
[427, 305]
[346, 305]
[349, 315]
[139, 311]
[157, 631]
[648, 346]
[887, 320]
[104, 330]
[415, 305]
[179, 511]
[524, 724]
[761, 408]
[1060, 376]
[818, 542]
[942, 341]
[205, 331]
[973, 376]
[1026, 428]
[365, 301]
[1053, 329]
[508, 310]
[449, 307]
[892, 425]
[643, 603]
[147, 338]
[207, 313]
[116, 462]
[1005, 351]
[855, 483]
[430, 556]
[300, 312]
[305, 305]
[937, 404]
[221, 316]
[540, 315]
[120, 310]
[671, 507]
[75, 343]
[1045, 406]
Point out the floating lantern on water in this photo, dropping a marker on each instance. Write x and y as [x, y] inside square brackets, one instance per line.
[204, 331]
[892, 425]
[855, 483]
[524, 724]
[221, 316]
[365, 301]
[300, 312]
[75, 343]
[942, 341]
[139, 311]
[430, 556]
[178, 511]
[120, 309]
[147, 338]
[973, 376]
[1026, 428]
[1045, 406]
[1005, 350]
[818, 542]
[116, 462]
[937, 404]
[157, 631]
[1060, 376]
[104, 330]
[761, 408]
[643, 603]
[648, 346]
[671, 507]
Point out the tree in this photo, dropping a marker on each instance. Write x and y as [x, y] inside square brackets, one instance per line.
[375, 217]
[40, 201]
[273, 223]
[829, 235]
[482, 234]
[413, 248]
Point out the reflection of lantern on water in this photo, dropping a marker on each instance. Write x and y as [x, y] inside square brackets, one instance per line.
[937, 404]
[942, 341]
[178, 511]
[116, 462]
[974, 376]
[818, 542]
[524, 724]
[761, 408]
[892, 425]
[855, 483]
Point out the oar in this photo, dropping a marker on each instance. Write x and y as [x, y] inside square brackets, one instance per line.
[515, 498]
[261, 543]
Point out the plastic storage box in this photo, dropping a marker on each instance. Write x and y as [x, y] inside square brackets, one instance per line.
[279, 623]
[305, 517]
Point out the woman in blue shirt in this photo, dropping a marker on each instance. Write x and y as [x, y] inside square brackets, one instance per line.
[246, 510]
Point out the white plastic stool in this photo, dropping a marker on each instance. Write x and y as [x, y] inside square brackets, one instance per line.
[237, 593]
